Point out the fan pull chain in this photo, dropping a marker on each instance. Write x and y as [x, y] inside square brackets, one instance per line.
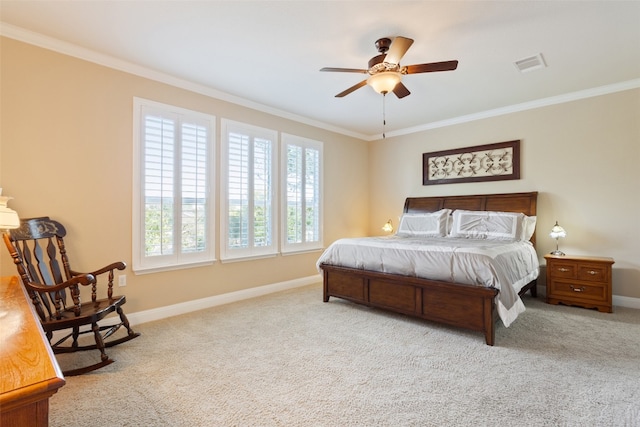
[384, 114]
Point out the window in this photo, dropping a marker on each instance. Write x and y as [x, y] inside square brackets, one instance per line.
[302, 194]
[173, 200]
[249, 209]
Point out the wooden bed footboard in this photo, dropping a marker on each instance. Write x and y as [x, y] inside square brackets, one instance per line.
[465, 306]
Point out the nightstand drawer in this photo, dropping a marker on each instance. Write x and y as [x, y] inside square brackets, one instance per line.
[565, 270]
[575, 290]
[593, 272]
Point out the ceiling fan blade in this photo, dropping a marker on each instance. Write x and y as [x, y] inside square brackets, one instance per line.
[351, 89]
[344, 70]
[401, 90]
[398, 48]
[430, 67]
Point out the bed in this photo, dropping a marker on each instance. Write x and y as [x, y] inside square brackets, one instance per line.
[458, 304]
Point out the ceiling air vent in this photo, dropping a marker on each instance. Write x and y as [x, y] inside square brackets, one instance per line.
[531, 63]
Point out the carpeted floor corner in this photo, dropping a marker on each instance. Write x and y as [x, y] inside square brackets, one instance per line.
[288, 359]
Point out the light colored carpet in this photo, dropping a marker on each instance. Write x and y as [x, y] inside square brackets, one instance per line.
[288, 359]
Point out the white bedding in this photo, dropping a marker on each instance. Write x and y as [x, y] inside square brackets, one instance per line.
[506, 266]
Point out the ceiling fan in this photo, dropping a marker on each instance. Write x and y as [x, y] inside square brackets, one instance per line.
[385, 71]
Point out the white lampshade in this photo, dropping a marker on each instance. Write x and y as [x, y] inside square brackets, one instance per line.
[557, 232]
[385, 81]
[388, 227]
[8, 217]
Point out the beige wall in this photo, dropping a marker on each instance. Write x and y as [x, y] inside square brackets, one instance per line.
[66, 152]
[583, 157]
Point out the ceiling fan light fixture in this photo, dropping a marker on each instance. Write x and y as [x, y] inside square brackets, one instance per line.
[385, 72]
[385, 81]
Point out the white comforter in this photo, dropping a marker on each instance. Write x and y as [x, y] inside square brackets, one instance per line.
[506, 266]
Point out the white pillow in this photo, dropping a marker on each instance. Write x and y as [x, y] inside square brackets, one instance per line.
[529, 227]
[488, 225]
[433, 224]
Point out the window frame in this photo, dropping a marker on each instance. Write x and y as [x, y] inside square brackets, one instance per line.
[143, 264]
[228, 254]
[304, 246]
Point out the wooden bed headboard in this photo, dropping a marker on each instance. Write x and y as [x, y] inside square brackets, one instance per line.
[507, 202]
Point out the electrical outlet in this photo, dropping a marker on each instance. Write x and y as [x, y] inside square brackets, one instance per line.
[122, 280]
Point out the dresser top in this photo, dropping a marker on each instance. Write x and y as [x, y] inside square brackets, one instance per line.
[28, 368]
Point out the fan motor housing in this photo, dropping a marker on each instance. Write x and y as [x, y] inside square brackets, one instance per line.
[383, 44]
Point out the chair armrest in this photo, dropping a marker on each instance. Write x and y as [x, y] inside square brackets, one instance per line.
[108, 269]
[84, 279]
[113, 266]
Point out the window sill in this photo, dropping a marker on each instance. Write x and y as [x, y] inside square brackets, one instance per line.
[160, 269]
[247, 258]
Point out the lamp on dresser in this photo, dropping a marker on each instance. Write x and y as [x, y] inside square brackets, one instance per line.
[8, 217]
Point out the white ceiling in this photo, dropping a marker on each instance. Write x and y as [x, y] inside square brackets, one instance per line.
[268, 53]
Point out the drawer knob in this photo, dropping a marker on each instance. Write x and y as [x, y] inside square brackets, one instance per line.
[592, 272]
[563, 269]
[580, 289]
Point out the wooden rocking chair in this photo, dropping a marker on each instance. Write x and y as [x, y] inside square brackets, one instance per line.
[38, 250]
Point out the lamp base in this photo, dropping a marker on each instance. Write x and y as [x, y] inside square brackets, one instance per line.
[557, 253]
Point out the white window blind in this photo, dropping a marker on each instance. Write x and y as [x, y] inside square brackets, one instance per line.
[172, 215]
[302, 194]
[194, 188]
[158, 186]
[248, 213]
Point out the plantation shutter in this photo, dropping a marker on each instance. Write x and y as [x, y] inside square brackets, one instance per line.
[172, 209]
[302, 194]
[159, 212]
[249, 219]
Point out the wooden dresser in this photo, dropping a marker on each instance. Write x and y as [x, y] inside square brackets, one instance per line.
[29, 372]
[579, 280]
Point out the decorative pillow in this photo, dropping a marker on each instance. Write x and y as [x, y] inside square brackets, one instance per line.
[488, 225]
[529, 227]
[433, 224]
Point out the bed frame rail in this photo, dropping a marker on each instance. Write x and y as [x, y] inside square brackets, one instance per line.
[465, 306]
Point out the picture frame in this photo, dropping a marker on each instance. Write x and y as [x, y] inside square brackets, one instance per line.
[489, 162]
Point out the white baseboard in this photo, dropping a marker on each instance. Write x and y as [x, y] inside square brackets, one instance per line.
[200, 304]
[629, 302]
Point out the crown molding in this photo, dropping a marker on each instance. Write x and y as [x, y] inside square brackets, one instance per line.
[69, 49]
[538, 103]
[36, 39]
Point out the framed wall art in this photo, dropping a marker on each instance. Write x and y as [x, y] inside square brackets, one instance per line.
[490, 162]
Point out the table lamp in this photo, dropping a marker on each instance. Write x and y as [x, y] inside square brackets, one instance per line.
[556, 233]
[8, 217]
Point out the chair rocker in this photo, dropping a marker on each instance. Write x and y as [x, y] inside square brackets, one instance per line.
[38, 250]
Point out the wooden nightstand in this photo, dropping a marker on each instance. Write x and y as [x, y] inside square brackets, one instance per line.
[579, 280]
